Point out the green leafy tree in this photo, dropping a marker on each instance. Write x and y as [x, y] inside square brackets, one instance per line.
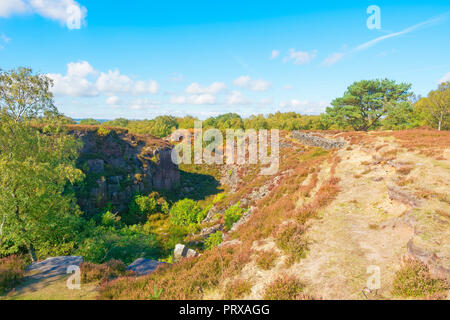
[24, 95]
[120, 122]
[90, 122]
[400, 118]
[35, 205]
[434, 110]
[366, 102]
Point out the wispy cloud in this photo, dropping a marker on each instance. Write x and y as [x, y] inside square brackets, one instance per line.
[445, 78]
[274, 54]
[337, 56]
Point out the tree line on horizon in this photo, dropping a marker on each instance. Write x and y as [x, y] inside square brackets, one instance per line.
[379, 104]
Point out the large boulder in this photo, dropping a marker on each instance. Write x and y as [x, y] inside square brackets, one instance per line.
[53, 267]
[181, 251]
[144, 266]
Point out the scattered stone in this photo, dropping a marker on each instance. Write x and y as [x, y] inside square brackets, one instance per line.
[315, 141]
[181, 251]
[207, 231]
[144, 266]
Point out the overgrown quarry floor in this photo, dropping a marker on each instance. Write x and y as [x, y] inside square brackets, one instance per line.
[392, 203]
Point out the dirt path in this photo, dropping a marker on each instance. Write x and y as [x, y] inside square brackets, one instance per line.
[371, 223]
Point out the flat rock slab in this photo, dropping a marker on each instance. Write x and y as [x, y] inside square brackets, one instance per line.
[144, 266]
[53, 267]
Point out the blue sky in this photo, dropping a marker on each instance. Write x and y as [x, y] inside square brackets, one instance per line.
[140, 59]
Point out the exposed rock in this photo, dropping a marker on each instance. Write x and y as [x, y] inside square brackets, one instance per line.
[119, 165]
[230, 243]
[396, 193]
[243, 219]
[53, 267]
[96, 165]
[144, 266]
[315, 141]
[181, 251]
[207, 231]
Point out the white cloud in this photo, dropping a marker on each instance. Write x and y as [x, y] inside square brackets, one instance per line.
[266, 101]
[445, 78]
[67, 12]
[198, 99]
[83, 80]
[300, 57]
[274, 54]
[253, 85]
[144, 104]
[178, 100]
[304, 106]
[206, 98]
[4, 38]
[10, 7]
[237, 98]
[113, 101]
[333, 58]
[75, 82]
[215, 87]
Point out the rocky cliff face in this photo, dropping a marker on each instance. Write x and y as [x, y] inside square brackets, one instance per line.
[119, 165]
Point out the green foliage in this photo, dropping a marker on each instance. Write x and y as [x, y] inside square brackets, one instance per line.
[120, 122]
[103, 243]
[156, 293]
[102, 131]
[434, 110]
[24, 95]
[400, 118]
[36, 203]
[213, 240]
[366, 102]
[232, 215]
[143, 206]
[186, 212]
[90, 122]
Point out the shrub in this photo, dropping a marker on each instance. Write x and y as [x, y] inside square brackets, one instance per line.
[186, 212]
[102, 131]
[232, 215]
[289, 238]
[404, 170]
[266, 259]
[11, 272]
[103, 272]
[415, 280]
[213, 240]
[143, 206]
[126, 244]
[284, 288]
[186, 280]
[237, 289]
